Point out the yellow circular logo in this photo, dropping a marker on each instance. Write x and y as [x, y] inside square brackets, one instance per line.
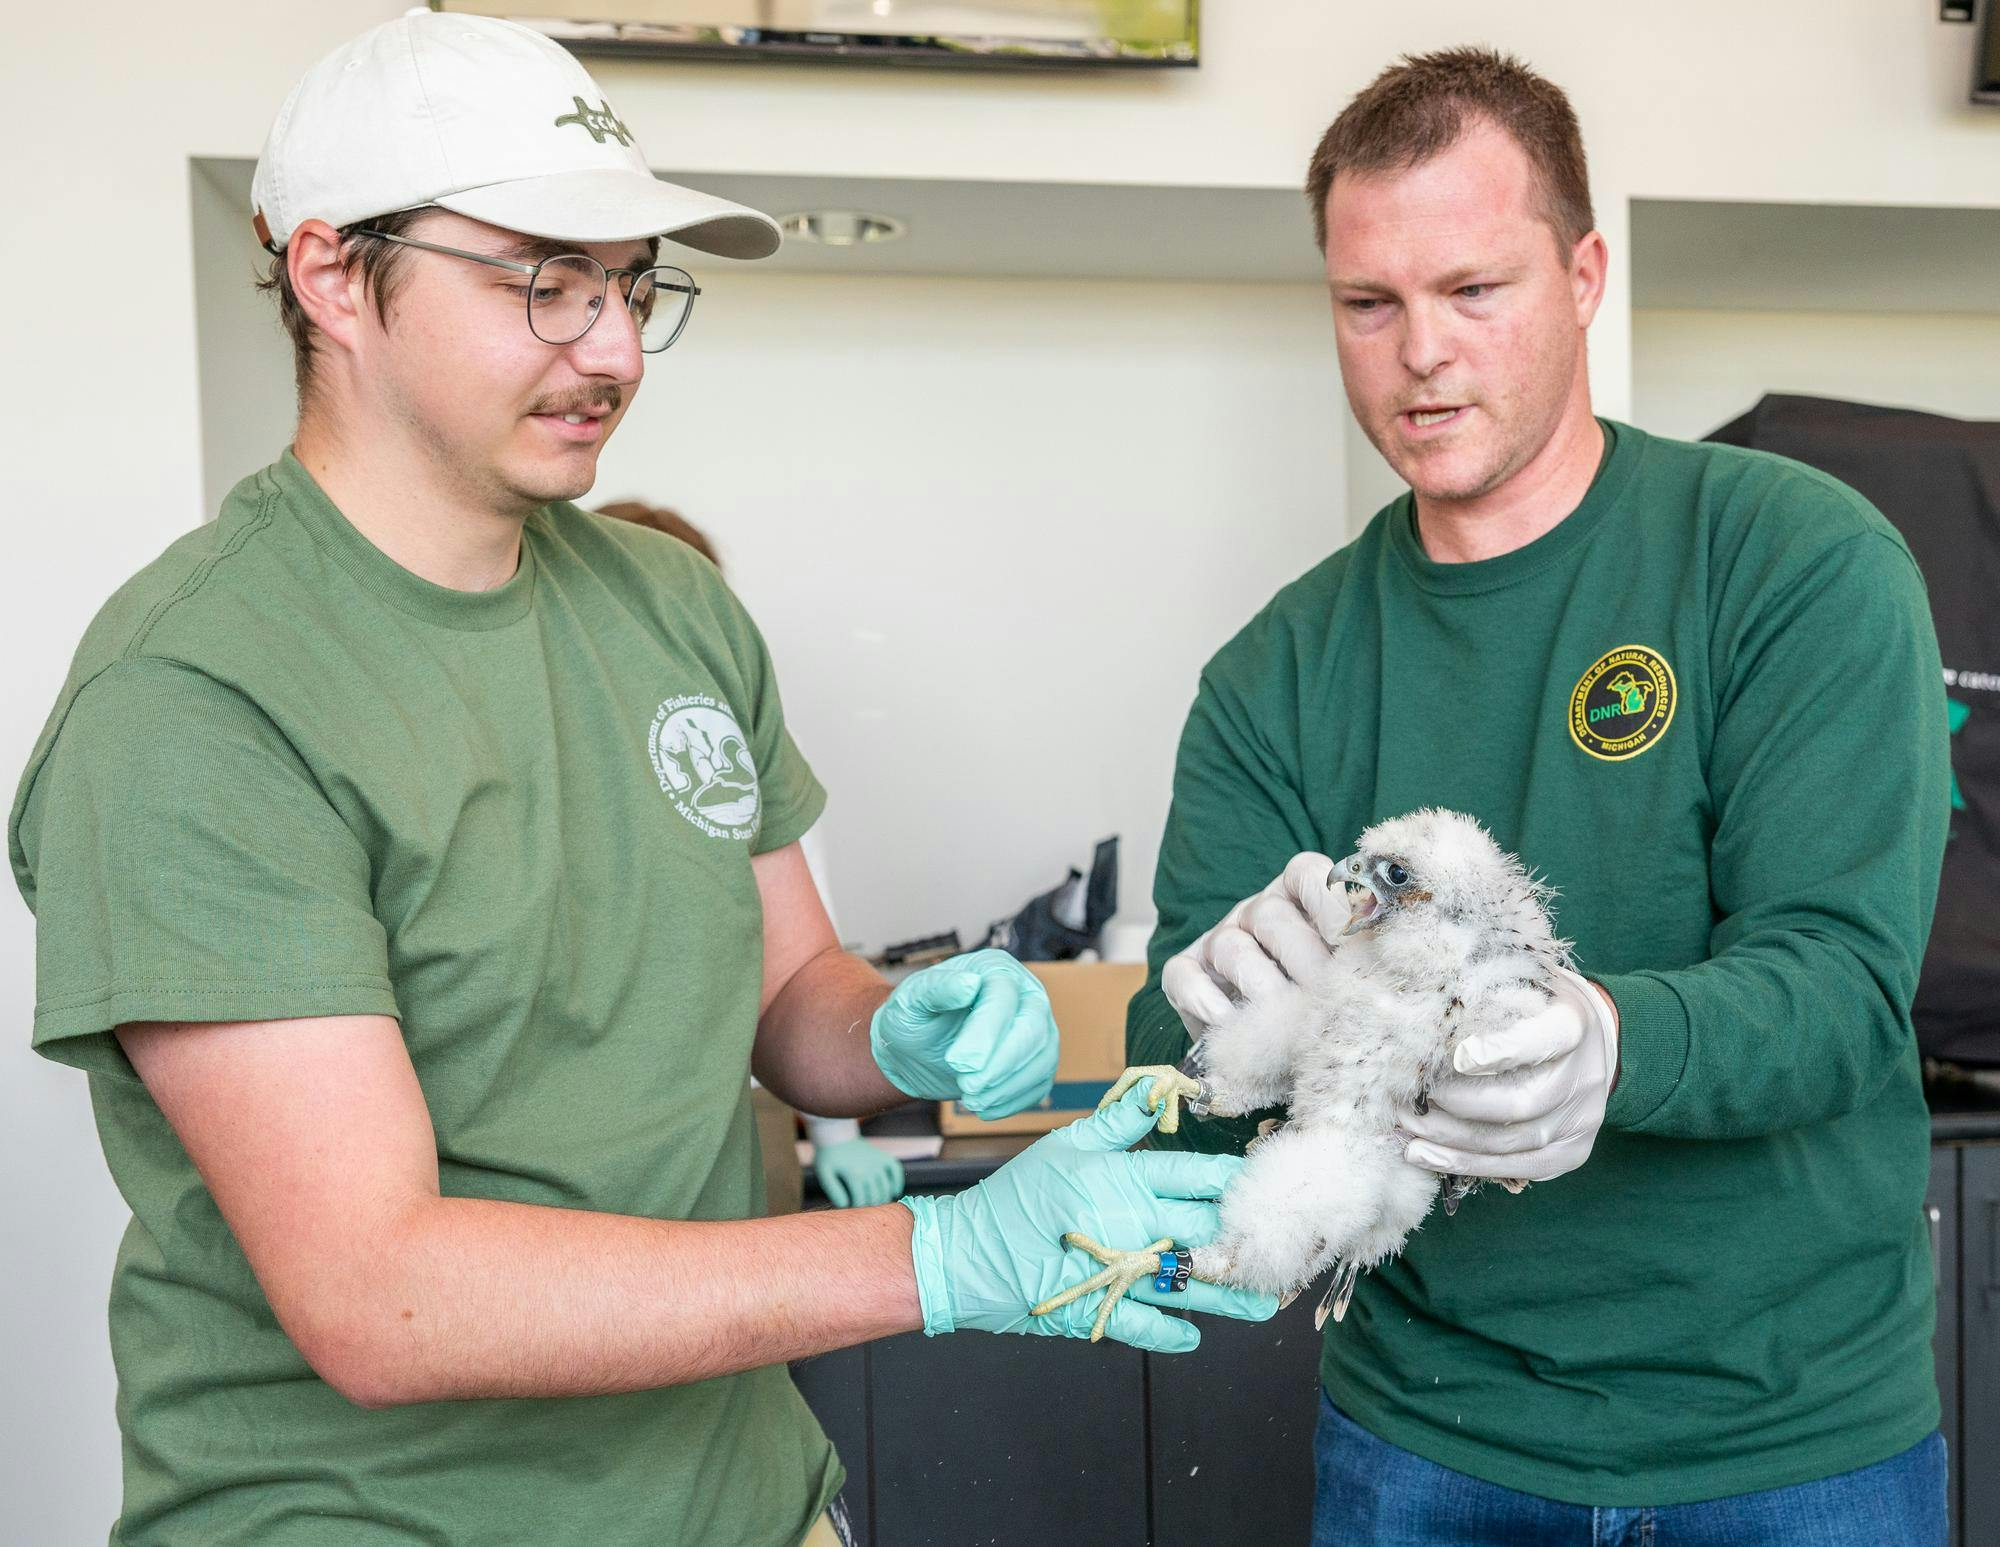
[1623, 704]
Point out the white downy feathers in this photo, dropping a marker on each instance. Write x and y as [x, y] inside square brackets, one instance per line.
[1449, 936]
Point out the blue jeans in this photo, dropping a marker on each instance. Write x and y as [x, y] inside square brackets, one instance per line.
[1374, 1494]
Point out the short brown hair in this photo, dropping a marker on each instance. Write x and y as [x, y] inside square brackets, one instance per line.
[1424, 104]
[661, 519]
[381, 264]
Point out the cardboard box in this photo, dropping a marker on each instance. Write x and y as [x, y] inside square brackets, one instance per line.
[1088, 1000]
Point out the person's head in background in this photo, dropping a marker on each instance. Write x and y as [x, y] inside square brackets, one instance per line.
[1452, 201]
[661, 519]
[466, 258]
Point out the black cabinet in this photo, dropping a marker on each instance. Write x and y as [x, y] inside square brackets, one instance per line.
[1941, 1208]
[1002, 1440]
[1021, 1442]
[1231, 1431]
[1977, 1460]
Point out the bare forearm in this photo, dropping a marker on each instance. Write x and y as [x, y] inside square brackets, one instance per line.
[812, 1042]
[467, 1297]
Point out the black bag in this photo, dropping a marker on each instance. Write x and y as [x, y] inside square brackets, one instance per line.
[1938, 482]
[1065, 921]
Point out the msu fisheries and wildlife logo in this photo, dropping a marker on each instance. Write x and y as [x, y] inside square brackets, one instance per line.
[704, 765]
[1623, 704]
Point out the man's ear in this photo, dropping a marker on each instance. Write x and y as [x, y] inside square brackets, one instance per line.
[328, 291]
[1589, 262]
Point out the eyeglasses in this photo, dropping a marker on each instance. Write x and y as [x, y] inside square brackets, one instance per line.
[565, 294]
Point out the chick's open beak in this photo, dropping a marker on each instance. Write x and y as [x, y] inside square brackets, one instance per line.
[1365, 900]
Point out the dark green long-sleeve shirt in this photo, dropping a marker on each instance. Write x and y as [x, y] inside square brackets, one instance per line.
[1708, 706]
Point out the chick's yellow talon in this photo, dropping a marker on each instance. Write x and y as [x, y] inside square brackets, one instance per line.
[1121, 1271]
[1169, 1089]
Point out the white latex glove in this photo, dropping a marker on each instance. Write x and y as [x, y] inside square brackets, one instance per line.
[1524, 1103]
[1261, 950]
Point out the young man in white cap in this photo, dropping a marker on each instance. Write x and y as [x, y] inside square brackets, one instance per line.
[415, 866]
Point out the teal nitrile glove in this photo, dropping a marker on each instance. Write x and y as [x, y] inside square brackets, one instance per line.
[984, 1256]
[854, 1174]
[975, 1029]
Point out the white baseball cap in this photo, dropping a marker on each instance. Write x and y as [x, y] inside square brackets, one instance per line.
[485, 118]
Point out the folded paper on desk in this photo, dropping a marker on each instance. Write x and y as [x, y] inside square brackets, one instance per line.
[904, 1146]
[1088, 1000]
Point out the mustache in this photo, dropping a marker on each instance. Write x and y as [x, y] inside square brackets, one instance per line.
[581, 401]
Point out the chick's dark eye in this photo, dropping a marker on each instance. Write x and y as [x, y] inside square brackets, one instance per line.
[1397, 874]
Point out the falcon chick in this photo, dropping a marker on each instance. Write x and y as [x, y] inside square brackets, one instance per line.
[1448, 936]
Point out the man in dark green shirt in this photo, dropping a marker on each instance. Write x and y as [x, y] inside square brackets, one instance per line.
[1698, 690]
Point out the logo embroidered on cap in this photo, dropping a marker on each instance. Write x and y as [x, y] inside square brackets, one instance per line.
[704, 765]
[600, 121]
[1623, 704]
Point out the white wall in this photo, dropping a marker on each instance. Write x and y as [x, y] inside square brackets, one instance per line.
[247, 398]
[1693, 371]
[1840, 100]
[990, 528]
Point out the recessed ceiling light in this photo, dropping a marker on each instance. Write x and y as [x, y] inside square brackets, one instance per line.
[841, 227]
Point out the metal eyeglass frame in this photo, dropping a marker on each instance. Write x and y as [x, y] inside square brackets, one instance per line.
[690, 289]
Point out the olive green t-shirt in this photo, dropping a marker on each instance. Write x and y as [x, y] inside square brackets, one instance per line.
[287, 777]
[1708, 708]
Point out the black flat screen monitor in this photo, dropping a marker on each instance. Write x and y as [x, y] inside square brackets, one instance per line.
[980, 33]
[1986, 60]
